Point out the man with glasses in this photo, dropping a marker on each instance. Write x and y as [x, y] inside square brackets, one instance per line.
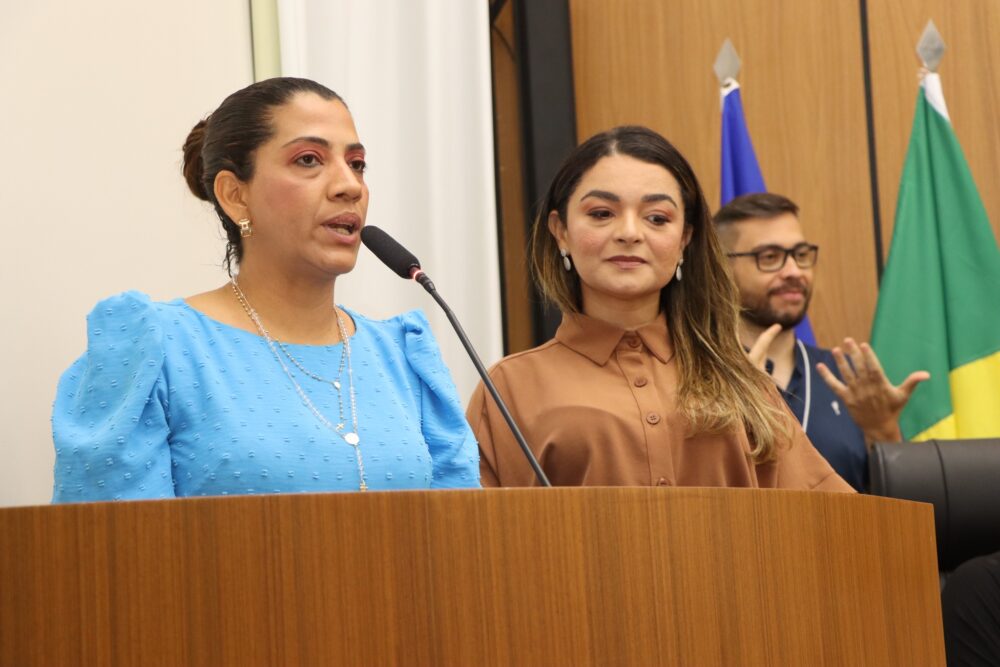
[853, 405]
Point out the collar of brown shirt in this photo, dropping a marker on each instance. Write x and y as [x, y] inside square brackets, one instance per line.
[598, 340]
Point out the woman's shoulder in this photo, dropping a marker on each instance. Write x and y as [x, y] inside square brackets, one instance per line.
[542, 355]
[410, 332]
[131, 309]
[408, 339]
[124, 335]
[133, 320]
[414, 321]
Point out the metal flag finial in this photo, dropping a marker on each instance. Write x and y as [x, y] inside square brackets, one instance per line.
[727, 63]
[930, 48]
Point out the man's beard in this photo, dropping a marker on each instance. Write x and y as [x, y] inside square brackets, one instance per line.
[763, 315]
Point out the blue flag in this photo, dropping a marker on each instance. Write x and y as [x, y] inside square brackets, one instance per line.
[740, 171]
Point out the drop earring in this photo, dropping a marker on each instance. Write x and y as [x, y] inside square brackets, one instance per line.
[245, 230]
[567, 263]
[678, 273]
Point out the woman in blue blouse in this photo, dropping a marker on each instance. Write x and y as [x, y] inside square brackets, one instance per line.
[263, 385]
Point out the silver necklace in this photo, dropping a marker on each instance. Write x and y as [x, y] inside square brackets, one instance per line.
[344, 350]
[351, 437]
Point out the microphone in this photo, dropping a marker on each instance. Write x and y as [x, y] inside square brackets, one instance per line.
[396, 257]
[404, 264]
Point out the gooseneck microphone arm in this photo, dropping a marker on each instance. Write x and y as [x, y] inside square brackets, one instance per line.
[428, 285]
[405, 264]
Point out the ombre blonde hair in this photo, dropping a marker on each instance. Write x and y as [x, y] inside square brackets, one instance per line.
[720, 390]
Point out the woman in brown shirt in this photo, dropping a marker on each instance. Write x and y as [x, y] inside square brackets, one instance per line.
[645, 382]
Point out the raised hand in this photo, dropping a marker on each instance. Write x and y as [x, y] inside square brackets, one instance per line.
[873, 401]
[758, 353]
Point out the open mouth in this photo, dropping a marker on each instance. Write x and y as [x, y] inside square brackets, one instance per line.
[347, 224]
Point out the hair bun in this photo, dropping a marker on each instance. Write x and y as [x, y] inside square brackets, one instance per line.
[194, 168]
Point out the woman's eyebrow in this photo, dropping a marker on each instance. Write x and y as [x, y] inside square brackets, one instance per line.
[309, 140]
[658, 197]
[324, 143]
[602, 194]
[610, 196]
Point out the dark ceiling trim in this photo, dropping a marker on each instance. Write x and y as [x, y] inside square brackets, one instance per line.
[872, 158]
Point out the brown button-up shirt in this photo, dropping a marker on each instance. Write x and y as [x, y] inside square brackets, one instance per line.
[597, 405]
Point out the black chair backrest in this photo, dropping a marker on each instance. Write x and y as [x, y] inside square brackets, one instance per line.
[961, 478]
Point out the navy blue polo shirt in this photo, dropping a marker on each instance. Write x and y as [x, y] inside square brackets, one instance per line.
[831, 428]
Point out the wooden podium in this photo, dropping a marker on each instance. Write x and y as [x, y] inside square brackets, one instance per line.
[580, 576]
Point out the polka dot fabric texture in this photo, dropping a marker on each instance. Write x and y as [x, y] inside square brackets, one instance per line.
[167, 402]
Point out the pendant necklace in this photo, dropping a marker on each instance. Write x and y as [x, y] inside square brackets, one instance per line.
[350, 437]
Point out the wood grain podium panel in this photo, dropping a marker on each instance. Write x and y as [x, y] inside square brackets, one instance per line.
[650, 62]
[621, 576]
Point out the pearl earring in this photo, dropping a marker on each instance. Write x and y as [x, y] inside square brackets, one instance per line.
[678, 273]
[567, 263]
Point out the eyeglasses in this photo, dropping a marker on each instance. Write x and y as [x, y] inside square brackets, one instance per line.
[772, 258]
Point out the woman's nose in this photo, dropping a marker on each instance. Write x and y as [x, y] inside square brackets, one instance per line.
[345, 183]
[628, 228]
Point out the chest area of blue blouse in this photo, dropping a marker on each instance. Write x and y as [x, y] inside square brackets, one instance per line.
[237, 423]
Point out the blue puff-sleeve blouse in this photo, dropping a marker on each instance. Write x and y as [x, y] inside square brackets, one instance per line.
[168, 402]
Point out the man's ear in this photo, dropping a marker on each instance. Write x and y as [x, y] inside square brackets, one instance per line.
[558, 229]
[231, 193]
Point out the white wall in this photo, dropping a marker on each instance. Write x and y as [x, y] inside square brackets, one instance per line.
[97, 98]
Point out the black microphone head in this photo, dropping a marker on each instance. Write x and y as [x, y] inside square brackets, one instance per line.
[387, 249]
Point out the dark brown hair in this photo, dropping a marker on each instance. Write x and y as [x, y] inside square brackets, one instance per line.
[229, 137]
[760, 205]
[720, 390]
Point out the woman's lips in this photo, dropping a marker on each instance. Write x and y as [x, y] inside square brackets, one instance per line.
[346, 225]
[626, 262]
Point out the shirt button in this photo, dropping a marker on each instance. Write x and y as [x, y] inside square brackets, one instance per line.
[640, 382]
[661, 482]
[653, 418]
[633, 342]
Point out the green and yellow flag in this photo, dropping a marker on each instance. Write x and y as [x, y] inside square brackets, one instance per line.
[939, 306]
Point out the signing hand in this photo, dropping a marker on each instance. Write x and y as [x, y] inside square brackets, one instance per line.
[873, 401]
[758, 353]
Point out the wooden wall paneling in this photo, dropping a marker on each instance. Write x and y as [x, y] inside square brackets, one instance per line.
[970, 76]
[650, 62]
[510, 160]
